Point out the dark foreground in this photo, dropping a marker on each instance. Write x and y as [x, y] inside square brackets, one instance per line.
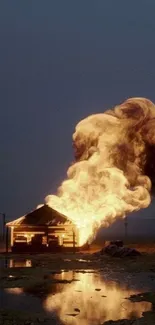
[77, 289]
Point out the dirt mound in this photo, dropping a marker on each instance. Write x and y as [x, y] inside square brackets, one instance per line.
[116, 249]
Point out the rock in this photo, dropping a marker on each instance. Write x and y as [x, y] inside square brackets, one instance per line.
[97, 289]
[78, 290]
[77, 309]
[73, 315]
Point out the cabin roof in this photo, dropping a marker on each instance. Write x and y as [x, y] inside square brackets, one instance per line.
[44, 216]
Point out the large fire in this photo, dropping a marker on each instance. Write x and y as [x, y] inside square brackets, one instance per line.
[114, 167]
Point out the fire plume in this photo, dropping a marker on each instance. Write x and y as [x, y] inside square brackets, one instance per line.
[114, 168]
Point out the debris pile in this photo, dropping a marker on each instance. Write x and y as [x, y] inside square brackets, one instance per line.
[116, 249]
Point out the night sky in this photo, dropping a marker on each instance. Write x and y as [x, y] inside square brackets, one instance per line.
[61, 60]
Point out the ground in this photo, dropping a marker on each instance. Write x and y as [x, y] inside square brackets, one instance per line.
[36, 279]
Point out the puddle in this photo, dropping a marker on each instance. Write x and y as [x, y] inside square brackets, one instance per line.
[93, 300]
[15, 262]
[16, 291]
[10, 262]
[80, 298]
[16, 299]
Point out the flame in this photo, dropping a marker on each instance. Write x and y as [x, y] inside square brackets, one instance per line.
[113, 167]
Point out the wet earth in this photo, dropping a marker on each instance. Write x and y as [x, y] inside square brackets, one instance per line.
[76, 290]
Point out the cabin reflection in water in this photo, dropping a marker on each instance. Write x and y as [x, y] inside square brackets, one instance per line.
[42, 230]
[19, 263]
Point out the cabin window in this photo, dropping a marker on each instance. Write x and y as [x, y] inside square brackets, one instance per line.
[44, 240]
[20, 239]
[61, 239]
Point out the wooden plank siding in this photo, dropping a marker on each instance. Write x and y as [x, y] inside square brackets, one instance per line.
[43, 227]
[64, 233]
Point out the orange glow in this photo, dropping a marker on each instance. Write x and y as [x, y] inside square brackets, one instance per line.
[95, 306]
[28, 237]
[107, 180]
[16, 291]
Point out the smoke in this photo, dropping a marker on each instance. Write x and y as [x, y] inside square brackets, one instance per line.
[114, 169]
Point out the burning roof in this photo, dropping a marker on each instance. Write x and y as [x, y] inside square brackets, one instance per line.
[41, 217]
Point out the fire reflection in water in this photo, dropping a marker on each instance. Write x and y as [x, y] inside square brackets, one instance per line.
[92, 300]
[15, 291]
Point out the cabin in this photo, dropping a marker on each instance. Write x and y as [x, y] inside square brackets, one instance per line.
[43, 229]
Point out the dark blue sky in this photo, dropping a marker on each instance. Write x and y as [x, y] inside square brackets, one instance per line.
[61, 60]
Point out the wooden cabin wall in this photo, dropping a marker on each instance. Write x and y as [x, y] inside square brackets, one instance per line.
[67, 234]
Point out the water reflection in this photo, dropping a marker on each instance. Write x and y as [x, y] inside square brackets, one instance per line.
[9, 263]
[16, 291]
[16, 300]
[83, 261]
[92, 300]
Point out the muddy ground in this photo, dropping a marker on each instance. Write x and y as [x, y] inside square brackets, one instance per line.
[38, 276]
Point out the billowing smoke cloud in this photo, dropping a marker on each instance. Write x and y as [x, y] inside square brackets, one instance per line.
[114, 169]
